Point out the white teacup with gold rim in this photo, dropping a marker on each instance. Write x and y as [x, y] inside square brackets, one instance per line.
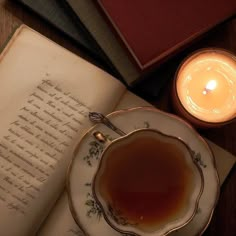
[147, 183]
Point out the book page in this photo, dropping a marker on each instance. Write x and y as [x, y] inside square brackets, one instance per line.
[46, 93]
[60, 221]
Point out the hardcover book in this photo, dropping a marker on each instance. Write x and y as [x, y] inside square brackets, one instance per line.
[152, 30]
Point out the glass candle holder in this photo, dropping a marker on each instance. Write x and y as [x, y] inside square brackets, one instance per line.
[204, 88]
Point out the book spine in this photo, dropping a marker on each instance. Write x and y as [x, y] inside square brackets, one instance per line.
[110, 68]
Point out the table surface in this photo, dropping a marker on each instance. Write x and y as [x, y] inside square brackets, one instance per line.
[224, 35]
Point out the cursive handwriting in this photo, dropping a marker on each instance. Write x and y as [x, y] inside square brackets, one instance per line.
[36, 141]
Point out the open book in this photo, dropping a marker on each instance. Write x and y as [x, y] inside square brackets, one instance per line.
[46, 93]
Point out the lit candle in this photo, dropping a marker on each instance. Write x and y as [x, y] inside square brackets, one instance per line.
[205, 87]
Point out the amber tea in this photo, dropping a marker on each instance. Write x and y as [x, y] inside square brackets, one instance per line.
[145, 180]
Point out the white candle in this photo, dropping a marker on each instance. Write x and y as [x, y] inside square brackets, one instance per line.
[206, 85]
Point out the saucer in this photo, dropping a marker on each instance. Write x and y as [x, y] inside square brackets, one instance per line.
[87, 213]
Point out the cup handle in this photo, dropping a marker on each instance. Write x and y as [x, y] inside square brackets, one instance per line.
[101, 138]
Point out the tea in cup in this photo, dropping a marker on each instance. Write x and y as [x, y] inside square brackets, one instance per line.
[147, 183]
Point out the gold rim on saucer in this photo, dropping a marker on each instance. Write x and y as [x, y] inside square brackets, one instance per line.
[68, 185]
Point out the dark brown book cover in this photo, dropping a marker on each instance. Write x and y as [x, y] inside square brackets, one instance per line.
[153, 29]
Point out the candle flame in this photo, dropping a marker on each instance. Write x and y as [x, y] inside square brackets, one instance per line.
[210, 86]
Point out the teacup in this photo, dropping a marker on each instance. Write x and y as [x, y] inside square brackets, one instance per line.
[147, 183]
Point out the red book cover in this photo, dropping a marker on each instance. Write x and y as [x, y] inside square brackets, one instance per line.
[153, 29]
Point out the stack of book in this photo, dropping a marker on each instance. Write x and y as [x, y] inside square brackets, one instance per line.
[134, 37]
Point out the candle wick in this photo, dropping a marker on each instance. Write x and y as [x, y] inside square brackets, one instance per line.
[210, 86]
[206, 91]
